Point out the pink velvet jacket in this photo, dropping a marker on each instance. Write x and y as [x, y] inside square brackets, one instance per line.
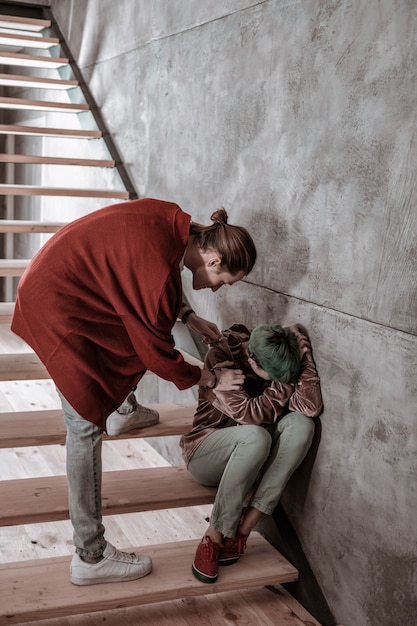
[260, 402]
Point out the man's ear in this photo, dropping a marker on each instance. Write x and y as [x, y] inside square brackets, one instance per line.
[214, 260]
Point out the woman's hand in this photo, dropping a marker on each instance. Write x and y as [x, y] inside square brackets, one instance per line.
[302, 337]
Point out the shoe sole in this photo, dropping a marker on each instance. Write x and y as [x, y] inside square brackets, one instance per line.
[203, 578]
[225, 562]
[82, 582]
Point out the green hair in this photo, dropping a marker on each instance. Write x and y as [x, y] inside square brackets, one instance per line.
[276, 350]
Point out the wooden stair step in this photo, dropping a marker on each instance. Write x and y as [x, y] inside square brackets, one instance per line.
[41, 589]
[22, 366]
[45, 498]
[45, 160]
[15, 80]
[15, 129]
[27, 226]
[6, 312]
[28, 41]
[23, 104]
[31, 190]
[13, 267]
[23, 23]
[17, 428]
[32, 60]
[28, 366]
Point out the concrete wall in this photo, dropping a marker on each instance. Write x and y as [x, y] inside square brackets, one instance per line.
[299, 116]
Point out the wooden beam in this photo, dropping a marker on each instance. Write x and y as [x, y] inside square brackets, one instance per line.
[28, 366]
[40, 590]
[22, 366]
[45, 498]
[13, 267]
[29, 159]
[29, 190]
[22, 104]
[26, 226]
[46, 427]
[35, 82]
[14, 129]
[6, 312]
[28, 41]
[31, 60]
[23, 23]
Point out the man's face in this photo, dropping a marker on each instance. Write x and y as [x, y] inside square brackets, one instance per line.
[211, 276]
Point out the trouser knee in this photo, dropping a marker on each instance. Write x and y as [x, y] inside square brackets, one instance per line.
[257, 440]
[299, 427]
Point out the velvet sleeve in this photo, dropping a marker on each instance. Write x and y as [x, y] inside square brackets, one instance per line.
[263, 409]
[307, 398]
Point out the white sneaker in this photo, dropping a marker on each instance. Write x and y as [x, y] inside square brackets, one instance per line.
[115, 567]
[130, 415]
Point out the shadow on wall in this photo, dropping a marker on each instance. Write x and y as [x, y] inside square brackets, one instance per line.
[73, 25]
[283, 257]
[279, 531]
[283, 249]
[300, 481]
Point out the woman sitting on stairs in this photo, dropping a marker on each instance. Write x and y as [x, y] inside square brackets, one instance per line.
[272, 411]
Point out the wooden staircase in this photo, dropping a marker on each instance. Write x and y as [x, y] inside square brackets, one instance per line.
[40, 589]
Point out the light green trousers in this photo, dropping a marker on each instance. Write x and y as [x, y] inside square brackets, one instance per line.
[242, 457]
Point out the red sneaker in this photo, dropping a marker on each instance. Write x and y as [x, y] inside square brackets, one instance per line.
[232, 550]
[206, 560]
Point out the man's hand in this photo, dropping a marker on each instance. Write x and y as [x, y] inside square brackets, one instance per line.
[206, 329]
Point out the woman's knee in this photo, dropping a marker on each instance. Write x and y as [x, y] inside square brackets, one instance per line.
[256, 438]
[300, 425]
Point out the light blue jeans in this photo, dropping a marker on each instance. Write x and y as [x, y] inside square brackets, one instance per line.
[243, 457]
[84, 473]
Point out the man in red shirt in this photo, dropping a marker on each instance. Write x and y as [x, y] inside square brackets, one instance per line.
[98, 304]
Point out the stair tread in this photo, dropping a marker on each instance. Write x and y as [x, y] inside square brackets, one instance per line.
[17, 426]
[24, 366]
[41, 105]
[33, 190]
[16, 129]
[13, 267]
[24, 23]
[6, 312]
[41, 589]
[45, 498]
[17, 80]
[26, 226]
[27, 41]
[32, 60]
[45, 160]
[28, 366]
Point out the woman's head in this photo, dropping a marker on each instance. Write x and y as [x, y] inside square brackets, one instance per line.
[233, 244]
[275, 349]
